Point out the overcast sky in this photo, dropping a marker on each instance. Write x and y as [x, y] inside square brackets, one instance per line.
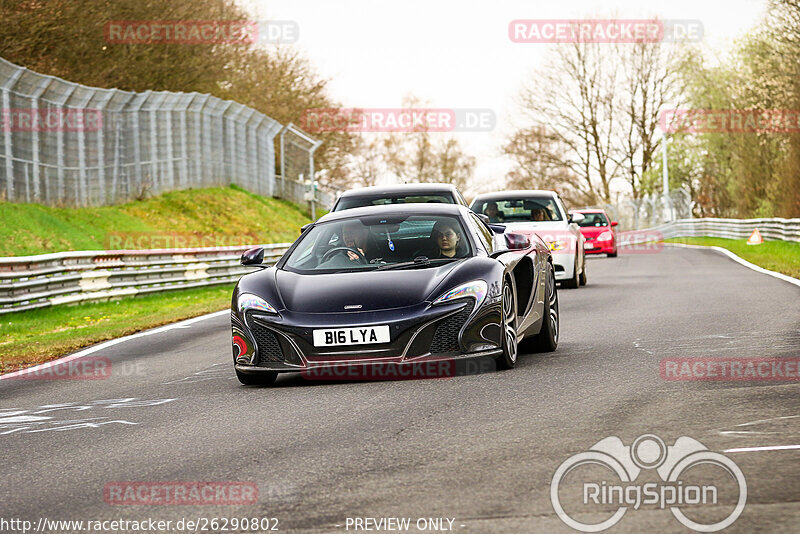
[457, 54]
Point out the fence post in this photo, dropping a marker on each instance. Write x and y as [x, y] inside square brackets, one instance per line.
[221, 136]
[9, 152]
[170, 178]
[184, 179]
[83, 186]
[35, 148]
[137, 142]
[60, 146]
[101, 147]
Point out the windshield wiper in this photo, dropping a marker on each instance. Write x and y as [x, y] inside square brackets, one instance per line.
[419, 261]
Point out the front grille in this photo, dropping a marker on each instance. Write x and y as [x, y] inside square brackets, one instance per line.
[269, 350]
[446, 337]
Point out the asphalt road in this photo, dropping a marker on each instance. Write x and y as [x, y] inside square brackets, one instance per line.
[480, 450]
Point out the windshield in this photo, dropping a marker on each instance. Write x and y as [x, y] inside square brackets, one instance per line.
[360, 202]
[593, 219]
[379, 242]
[519, 209]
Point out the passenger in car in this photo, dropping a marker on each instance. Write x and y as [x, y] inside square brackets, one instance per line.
[492, 212]
[449, 242]
[539, 214]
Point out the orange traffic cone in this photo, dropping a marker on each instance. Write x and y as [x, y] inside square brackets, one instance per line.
[755, 238]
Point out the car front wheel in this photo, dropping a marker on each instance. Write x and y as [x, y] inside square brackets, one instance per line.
[508, 358]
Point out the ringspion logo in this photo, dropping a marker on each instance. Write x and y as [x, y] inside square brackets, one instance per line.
[606, 475]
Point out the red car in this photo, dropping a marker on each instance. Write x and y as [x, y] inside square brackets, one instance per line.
[598, 230]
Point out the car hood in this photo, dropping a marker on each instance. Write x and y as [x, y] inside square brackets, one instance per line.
[375, 290]
[594, 231]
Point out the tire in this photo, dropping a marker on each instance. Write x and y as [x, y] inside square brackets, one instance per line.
[508, 319]
[257, 379]
[573, 282]
[547, 338]
[612, 254]
[582, 279]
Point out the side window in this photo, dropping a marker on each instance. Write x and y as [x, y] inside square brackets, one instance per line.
[483, 233]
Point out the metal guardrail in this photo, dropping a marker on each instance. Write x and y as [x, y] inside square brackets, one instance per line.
[770, 229]
[32, 282]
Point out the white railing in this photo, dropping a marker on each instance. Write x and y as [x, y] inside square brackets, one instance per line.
[770, 229]
[31, 282]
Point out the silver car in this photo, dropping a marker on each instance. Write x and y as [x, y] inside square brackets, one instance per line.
[542, 213]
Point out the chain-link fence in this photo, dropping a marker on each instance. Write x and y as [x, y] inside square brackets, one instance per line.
[296, 181]
[650, 210]
[66, 144]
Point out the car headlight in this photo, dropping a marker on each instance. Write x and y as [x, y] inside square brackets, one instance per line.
[248, 301]
[605, 236]
[476, 289]
[558, 244]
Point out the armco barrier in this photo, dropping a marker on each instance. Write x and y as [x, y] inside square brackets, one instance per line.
[770, 229]
[31, 282]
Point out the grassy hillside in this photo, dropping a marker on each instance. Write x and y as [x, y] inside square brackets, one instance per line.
[210, 217]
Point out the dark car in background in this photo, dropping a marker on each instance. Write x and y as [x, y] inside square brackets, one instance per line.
[399, 194]
[375, 286]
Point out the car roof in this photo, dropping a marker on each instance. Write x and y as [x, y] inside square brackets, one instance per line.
[515, 194]
[438, 208]
[398, 189]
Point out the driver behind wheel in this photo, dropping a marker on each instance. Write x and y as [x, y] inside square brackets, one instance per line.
[354, 235]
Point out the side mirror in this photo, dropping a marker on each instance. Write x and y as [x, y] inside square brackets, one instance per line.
[576, 217]
[614, 223]
[254, 256]
[518, 241]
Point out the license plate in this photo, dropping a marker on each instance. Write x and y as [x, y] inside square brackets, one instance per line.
[361, 335]
[588, 246]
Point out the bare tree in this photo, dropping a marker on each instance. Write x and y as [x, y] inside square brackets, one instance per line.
[574, 98]
[539, 163]
[650, 82]
[601, 102]
[422, 156]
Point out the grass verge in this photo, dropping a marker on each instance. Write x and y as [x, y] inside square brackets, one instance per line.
[199, 217]
[36, 336]
[779, 256]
